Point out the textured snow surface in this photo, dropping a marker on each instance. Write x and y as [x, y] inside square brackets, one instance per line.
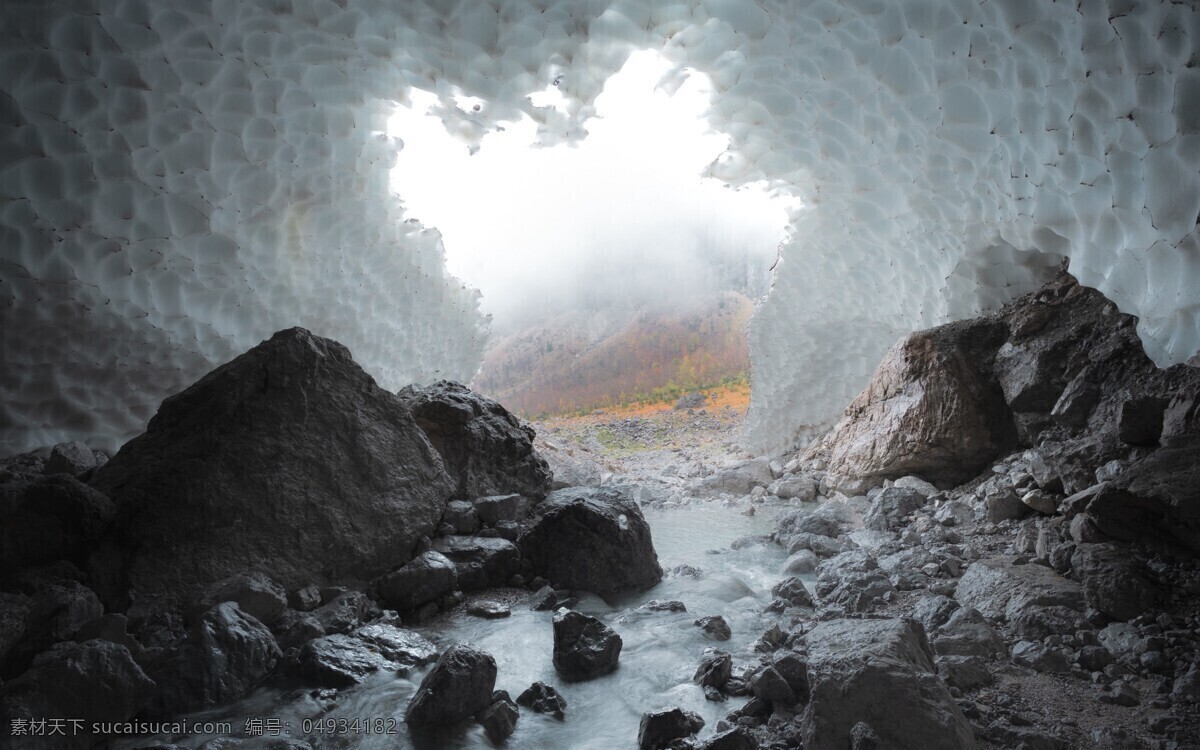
[180, 179]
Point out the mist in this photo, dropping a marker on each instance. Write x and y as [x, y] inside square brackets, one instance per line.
[621, 220]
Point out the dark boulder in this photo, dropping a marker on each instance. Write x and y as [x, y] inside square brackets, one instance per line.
[480, 562]
[94, 681]
[288, 460]
[496, 508]
[225, 654]
[1113, 581]
[499, 720]
[584, 647]
[1141, 420]
[459, 686]
[737, 738]
[881, 672]
[345, 611]
[50, 518]
[715, 626]
[543, 699]
[792, 592]
[53, 611]
[659, 729]
[715, 668]
[424, 579]
[593, 539]
[485, 448]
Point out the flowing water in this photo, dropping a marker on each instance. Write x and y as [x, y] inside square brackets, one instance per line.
[660, 653]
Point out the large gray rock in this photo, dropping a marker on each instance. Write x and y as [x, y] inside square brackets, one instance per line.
[51, 518]
[289, 460]
[879, 672]
[930, 409]
[424, 579]
[592, 539]
[487, 450]
[1003, 591]
[95, 681]
[459, 686]
[891, 506]
[225, 654]
[584, 647]
[72, 458]
[741, 479]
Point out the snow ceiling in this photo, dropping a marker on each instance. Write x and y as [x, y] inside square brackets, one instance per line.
[180, 179]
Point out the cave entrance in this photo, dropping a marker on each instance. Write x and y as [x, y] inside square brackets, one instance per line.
[615, 273]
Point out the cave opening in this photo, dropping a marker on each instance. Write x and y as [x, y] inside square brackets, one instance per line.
[615, 272]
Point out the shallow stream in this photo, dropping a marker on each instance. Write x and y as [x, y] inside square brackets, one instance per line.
[660, 653]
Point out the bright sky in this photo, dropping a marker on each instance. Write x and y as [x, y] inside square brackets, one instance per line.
[624, 211]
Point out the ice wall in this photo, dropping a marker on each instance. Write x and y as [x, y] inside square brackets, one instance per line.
[180, 179]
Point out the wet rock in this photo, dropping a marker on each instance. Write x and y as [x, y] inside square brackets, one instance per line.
[882, 669]
[543, 600]
[225, 654]
[891, 507]
[769, 685]
[95, 681]
[655, 605]
[715, 668]
[715, 626]
[480, 562]
[338, 661]
[460, 685]
[736, 738]
[461, 517]
[584, 647]
[543, 699]
[1113, 581]
[793, 592]
[493, 509]
[343, 482]
[50, 518]
[1039, 657]
[592, 539]
[659, 728]
[489, 610]
[485, 448]
[930, 410]
[345, 611]
[255, 593]
[499, 720]
[427, 577]
[294, 629]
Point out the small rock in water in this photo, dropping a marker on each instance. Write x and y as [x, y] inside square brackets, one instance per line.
[488, 609]
[685, 571]
[584, 647]
[715, 626]
[543, 699]
[715, 668]
[499, 720]
[659, 728]
[543, 600]
[458, 686]
[672, 605]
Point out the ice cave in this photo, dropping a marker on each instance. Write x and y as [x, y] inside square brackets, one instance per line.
[252, 498]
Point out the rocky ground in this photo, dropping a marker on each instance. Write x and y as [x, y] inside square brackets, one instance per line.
[995, 547]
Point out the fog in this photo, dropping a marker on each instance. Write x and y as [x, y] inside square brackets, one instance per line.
[620, 219]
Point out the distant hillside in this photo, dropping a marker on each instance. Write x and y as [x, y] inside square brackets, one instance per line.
[587, 361]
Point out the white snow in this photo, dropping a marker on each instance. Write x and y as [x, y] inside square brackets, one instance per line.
[180, 179]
